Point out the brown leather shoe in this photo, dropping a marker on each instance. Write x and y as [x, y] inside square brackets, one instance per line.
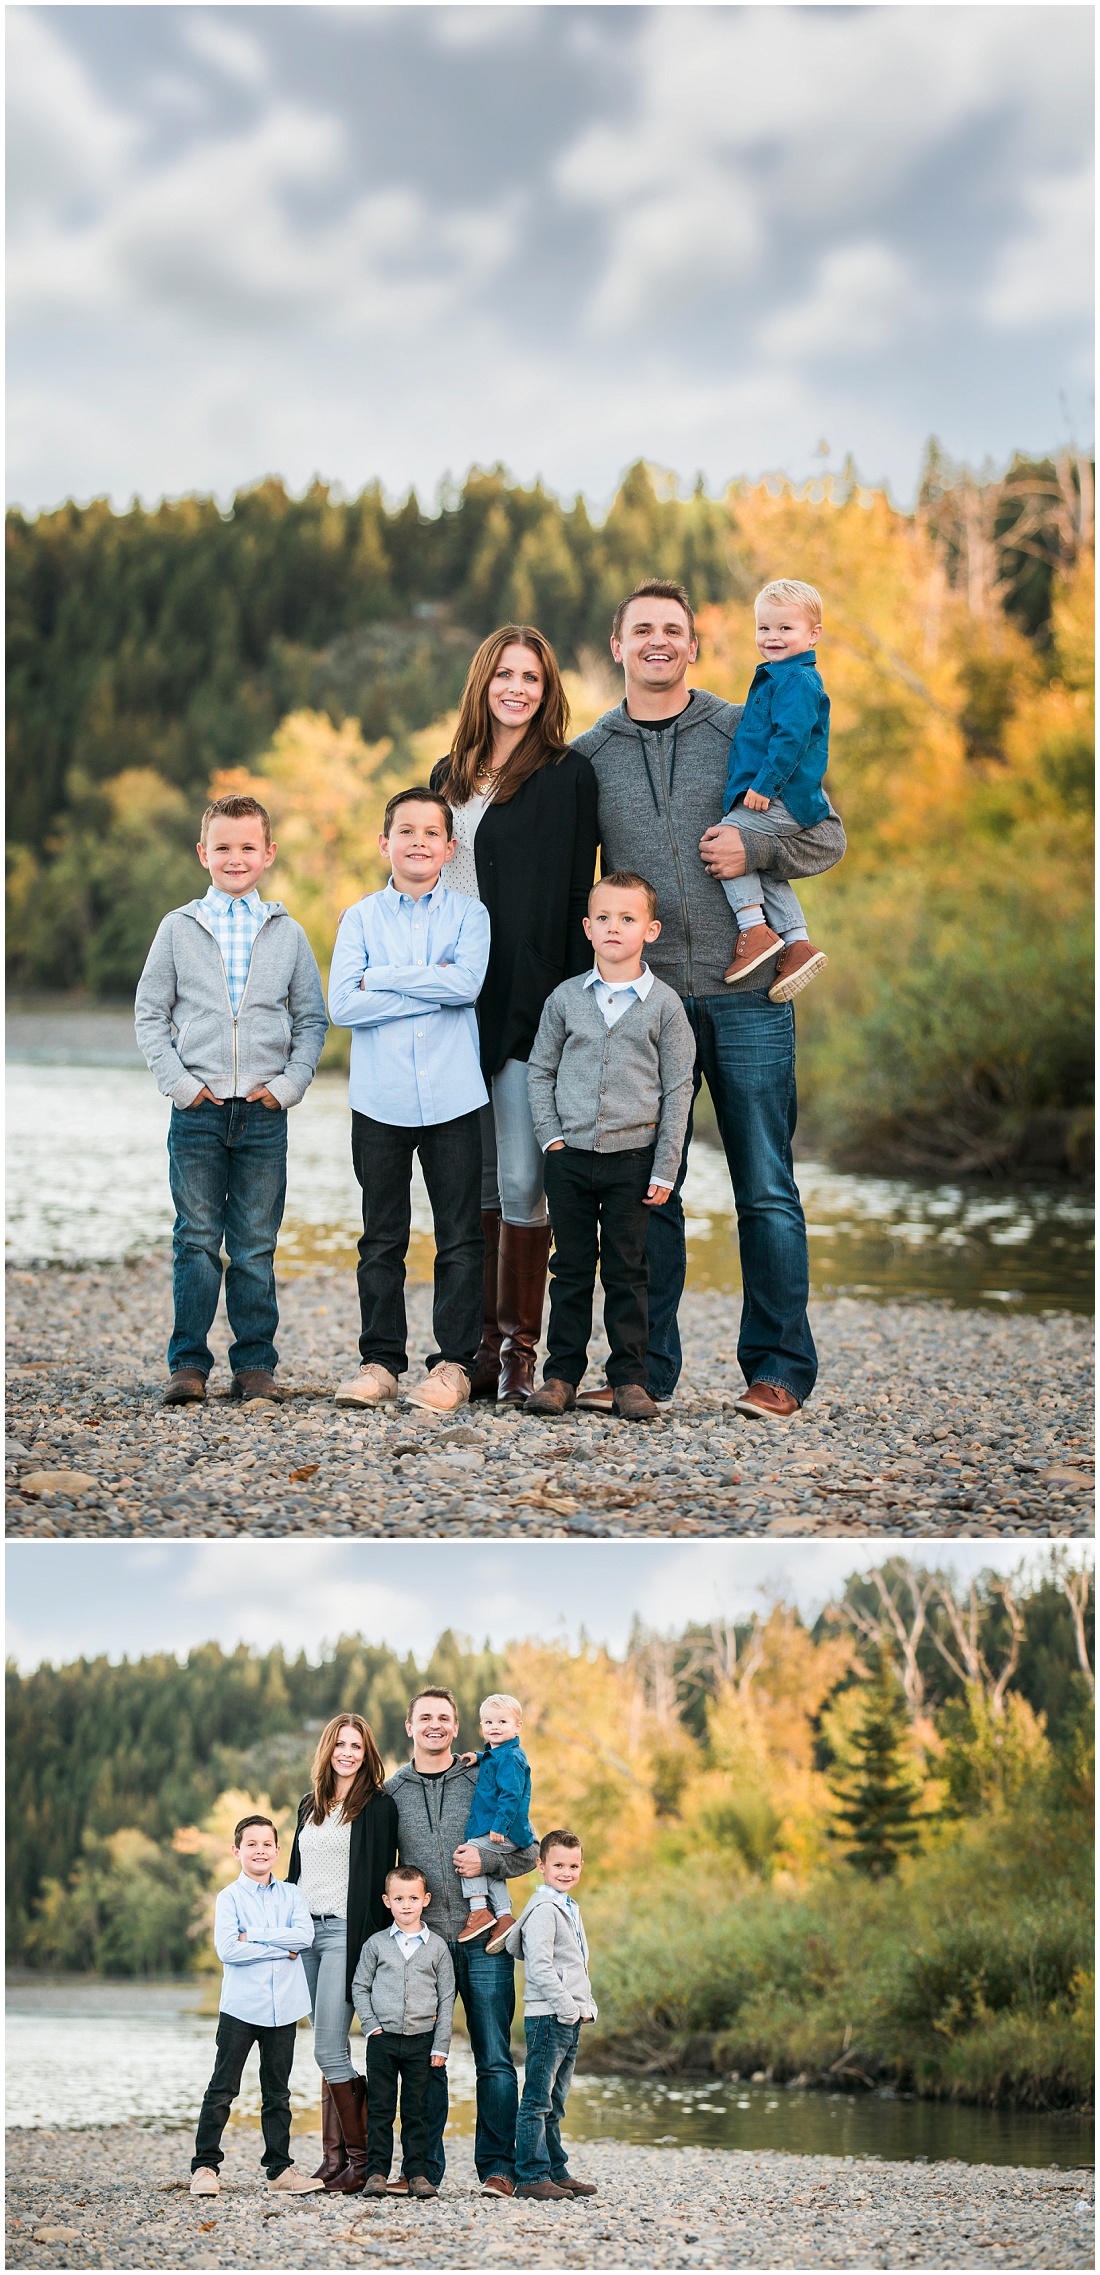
[420, 2185]
[756, 946]
[479, 1924]
[502, 1929]
[398, 2187]
[498, 2184]
[632, 1403]
[376, 2184]
[255, 1382]
[486, 1374]
[552, 1397]
[577, 2187]
[521, 1292]
[544, 2191]
[798, 965]
[765, 1402]
[187, 1387]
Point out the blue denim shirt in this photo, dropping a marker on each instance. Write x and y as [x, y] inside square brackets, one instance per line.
[781, 747]
[502, 1795]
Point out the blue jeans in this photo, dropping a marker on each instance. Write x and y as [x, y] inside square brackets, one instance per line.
[745, 1050]
[781, 906]
[551, 2054]
[227, 1169]
[326, 1966]
[487, 1987]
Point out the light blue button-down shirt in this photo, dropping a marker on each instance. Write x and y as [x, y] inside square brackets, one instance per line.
[616, 996]
[405, 977]
[408, 1942]
[261, 1982]
[565, 1904]
[235, 919]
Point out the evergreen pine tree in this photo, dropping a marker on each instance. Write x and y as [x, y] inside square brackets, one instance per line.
[879, 1802]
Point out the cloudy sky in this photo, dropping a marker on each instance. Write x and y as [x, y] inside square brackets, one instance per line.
[397, 240]
[130, 1597]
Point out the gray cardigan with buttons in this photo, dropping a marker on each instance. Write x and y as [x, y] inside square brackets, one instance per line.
[406, 1996]
[612, 1089]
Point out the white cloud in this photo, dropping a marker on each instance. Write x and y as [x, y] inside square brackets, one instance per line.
[229, 50]
[862, 297]
[1046, 273]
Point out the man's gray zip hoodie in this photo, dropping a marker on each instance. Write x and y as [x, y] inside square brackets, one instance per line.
[431, 1824]
[661, 784]
[184, 1016]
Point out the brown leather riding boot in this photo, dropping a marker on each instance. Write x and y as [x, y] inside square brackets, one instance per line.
[521, 1289]
[335, 2154]
[350, 2098]
[486, 1374]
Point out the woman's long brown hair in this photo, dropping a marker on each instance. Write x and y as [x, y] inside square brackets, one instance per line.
[369, 1777]
[545, 741]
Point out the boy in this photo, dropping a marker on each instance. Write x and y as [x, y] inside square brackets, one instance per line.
[778, 757]
[502, 1800]
[260, 1926]
[404, 1995]
[231, 1018]
[610, 1084]
[406, 972]
[557, 1998]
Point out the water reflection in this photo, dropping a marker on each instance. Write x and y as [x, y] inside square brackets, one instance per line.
[107, 1197]
[87, 2055]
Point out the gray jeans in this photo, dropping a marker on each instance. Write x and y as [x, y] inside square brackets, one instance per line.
[511, 1156]
[781, 906]
[326, 1966]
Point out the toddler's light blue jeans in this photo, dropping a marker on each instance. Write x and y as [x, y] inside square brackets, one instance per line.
[492, 1892]
[781, 906]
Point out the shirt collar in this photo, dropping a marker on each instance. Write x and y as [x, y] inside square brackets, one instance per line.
[244, 1880]
[641, 985]
[223, 902]
[426, 900]
[418, 1935]
[561, 1897]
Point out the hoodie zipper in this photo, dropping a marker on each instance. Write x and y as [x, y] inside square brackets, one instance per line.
[666, 792]
[234, 1015]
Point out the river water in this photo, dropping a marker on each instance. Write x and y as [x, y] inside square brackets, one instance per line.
[87, 1183]
[83, 2054]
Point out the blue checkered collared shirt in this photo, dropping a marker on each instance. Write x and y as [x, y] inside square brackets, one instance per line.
[235, 919]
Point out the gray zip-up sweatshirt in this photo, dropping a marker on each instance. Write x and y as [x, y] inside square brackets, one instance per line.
[555, 1960]
[431, 1824]
[407, 1996]
[661, 784]
[608, 1089]
[184, 1016]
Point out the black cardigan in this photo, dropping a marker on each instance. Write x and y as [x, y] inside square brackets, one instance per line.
[535, 858]
[373, 1854]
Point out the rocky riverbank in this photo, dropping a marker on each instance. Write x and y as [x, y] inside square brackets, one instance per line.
[926, 1421]
[120, 2199]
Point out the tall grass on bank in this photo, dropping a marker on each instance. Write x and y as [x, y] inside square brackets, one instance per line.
[968, 1975]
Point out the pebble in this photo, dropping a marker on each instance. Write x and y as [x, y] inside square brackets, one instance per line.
[655, 2208]
[927, 1421]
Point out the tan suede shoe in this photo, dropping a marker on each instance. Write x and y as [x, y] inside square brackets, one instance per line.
[372, 1386]
[798, 965]
[204, 2182]
[479, 1924]
[444, 1387]
[293, 2183]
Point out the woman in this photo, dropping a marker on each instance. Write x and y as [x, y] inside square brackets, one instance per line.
[524, 809]
[344, 1845]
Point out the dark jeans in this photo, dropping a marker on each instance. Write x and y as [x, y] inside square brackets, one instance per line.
[227, 1168]
[596, 1203]
[450, 1156]
[487, 1987]
[235, 2041]
[745, 1051]
[551, 2054]
[390, 2057]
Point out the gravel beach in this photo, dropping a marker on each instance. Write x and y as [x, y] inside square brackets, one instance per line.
[927, 1421]
[121, 2197]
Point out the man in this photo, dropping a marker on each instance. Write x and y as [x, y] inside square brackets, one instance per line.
[433, 1794]
[660, 761]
